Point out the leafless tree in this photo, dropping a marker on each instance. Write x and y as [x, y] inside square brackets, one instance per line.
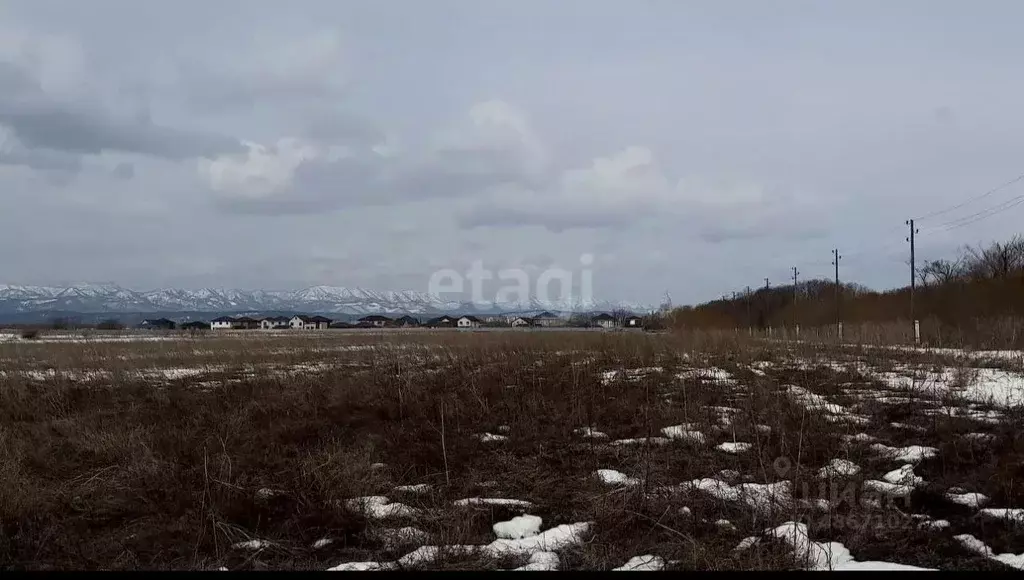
[998, 260]
[941, 272]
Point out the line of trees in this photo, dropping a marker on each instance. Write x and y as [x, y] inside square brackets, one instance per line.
[979, 284]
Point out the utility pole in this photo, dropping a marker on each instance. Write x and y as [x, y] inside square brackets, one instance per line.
[796, 292]
[750, 323]
[835, 262]
[913, 281]
[913, 266]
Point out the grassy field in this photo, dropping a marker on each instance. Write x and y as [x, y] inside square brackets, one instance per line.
[500, 450]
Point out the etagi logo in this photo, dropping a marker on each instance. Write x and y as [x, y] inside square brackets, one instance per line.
[516, 285]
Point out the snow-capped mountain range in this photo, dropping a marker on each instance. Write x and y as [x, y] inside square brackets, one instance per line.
[100, 298]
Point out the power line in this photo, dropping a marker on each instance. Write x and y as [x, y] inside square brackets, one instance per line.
[972, 199]
[983, 214]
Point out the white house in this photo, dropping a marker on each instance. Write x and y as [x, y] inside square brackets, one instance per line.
[547, 319]
[634, 322]
[520, 321]
[302, 322]
[468, 322]
[274, 322]
[604, 320]
[223, 323]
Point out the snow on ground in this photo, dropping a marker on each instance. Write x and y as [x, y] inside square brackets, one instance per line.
[909, 454]
[640, 441]
[491, 438]
[683, 433]
[839, 468]
[1014, 514]
[763, 497]
[612, 477]
[378, 507]
[721, 377]
[418, 488]
[502, 501]
[590, 433]
[975, 545]
[609, 377]
[823, 556]
[524, 526]
[973, 500]
[982, 385]
[648, 563]
[541, 562]
[734, 447]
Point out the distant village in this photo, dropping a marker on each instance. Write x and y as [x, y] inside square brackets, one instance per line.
[305, 322]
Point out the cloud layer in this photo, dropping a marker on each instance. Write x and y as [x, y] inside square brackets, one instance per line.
[685, 148]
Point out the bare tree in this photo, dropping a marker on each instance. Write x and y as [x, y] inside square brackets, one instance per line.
[941, 272]
[998, 260]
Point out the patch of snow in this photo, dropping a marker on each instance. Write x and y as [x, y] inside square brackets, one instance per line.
[1015, 515]
[979, 437]
[361, 567]
[888, 489]
[725, 525]
[763, 429]
[908, 454]
[541, 562]
[612, 477]
[680, 433]
[859, 438]
[904, 476]
[975, 545]
[491, 438]
[551, 540]
[524, 526]
[821, 556]
[734, 447]
[378, 507]
[252, 545]
[322, 543]
[640, 441]
[972, 500]
[376, 466]
[590, 433]
[504, 429]
[648, 563]
[747, 543]
[763, 497]
[839, 468]
[418, 488]
[502, 501]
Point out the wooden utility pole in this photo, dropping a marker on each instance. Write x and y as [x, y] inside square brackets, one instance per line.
[835, 262]
[913, 268]
[796, 291]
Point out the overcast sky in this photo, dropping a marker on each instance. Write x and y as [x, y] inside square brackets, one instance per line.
[693, 147]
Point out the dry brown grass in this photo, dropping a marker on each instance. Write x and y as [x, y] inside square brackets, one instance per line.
[128, 470]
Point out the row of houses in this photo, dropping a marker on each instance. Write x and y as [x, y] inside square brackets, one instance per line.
[303, 322]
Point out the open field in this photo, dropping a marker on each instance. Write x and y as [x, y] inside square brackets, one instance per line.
[501, 450]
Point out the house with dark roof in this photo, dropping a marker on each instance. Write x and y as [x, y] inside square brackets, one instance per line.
[274, 322]
[376, 320]
[195, 325]
[441, 322]
[633, 322]
[604, 320]
[157, 324]
[223, 323]
[522, 322]
[246, 323]
[467, 321]
[406, 322]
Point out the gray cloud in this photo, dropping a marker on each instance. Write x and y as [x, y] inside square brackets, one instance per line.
[689, 149]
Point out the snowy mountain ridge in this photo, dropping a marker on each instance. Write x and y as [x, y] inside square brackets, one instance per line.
[99, 298]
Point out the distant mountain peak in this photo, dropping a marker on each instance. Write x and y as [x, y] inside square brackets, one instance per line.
[111, 298]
